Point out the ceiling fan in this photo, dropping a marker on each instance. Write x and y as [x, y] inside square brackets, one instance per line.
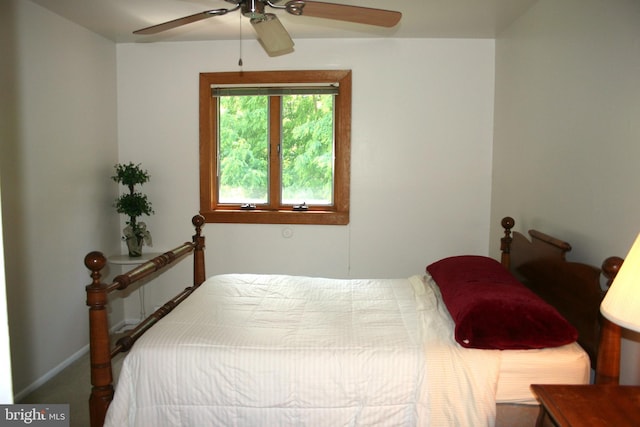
[271, 33]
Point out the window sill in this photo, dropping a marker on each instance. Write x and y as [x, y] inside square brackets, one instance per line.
[258, 216]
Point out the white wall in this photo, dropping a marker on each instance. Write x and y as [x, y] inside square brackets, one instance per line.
[7, 132]
[421, 154]
[56, 192]
[567, 134]
[6, 378]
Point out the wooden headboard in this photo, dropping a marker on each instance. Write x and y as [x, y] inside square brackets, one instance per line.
[573, 288]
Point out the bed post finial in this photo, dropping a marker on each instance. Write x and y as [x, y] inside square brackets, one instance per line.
[610, 268]
[198, 252]
[505, 242]
[198, 222]
[95, 261]
[99, 347]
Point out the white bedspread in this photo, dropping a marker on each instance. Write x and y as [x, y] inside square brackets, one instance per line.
[256, 350]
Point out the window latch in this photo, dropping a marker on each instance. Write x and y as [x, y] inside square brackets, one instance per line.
[248, 206]
[302, 207]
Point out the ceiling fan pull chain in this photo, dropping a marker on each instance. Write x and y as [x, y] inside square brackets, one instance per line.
[240, 41]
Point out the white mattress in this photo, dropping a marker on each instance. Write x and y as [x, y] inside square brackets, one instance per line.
[248, 350]
[568, 364]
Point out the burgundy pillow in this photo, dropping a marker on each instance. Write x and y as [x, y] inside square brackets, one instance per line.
[492, 310]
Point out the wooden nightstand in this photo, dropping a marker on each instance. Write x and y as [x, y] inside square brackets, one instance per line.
[588, 405]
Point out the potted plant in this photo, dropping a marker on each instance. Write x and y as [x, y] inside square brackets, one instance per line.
[133, 204]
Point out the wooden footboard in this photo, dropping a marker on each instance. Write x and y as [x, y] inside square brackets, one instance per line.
[101, 352]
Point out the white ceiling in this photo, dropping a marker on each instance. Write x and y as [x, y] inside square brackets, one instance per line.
[116, 19]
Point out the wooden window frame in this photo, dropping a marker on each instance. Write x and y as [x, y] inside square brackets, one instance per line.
[338, 213]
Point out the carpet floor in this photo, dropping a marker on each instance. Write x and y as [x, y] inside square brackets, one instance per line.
[73, 386]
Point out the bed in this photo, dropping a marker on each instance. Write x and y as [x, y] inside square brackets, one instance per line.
[437, 348]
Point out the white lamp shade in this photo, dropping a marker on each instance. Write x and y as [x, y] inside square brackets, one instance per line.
[621, 305]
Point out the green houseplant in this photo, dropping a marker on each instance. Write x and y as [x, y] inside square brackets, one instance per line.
[133, 204]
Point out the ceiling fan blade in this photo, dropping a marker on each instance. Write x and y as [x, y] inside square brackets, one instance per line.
[343, 12]
[154, 29]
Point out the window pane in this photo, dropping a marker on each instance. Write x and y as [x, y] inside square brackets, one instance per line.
[243, 149]
[307, 149]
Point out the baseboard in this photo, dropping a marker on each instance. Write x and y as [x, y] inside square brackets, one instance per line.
[122, 325]
[125, 325]
[52, 373]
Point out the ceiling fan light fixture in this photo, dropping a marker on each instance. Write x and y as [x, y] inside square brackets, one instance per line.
[272, 35]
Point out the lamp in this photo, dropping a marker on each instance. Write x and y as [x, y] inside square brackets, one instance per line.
[620, 308]
[272, 35]
[621, 305]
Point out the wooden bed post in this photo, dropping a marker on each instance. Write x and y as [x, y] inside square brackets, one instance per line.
[198, 251]
[608, 363]
[101, 375]
[505, 242]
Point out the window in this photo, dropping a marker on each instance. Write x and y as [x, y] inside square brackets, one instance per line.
[275, 147]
